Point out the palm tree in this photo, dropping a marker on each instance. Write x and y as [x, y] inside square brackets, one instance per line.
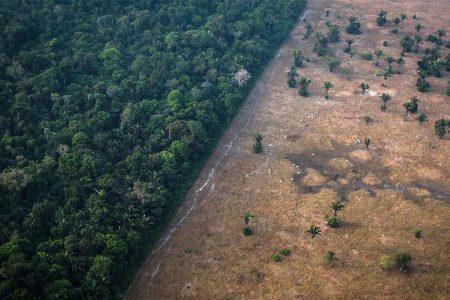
[337, 206]
[367, 142]
[422, 118]
[385, 98]
[418, 27]
[304, 82]
[418, 39]
[400, 62]
[314, 230]
[403, 260]
[389, 59]
[364, 86]
[292, 74]
[403, 16]
[257, 147]
[349, 42]
[327, 85]
[247, 217]
[298, 58]
[333, 63]
[386, 74]
[441, 34]
[378, 53]
[397, 21]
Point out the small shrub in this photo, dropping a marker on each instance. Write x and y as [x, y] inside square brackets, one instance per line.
[414, 16]
[367, 142]
[187, 250]
[333, 221]
[330, 256]
[385, 44]
[285, 252]
[276, 257]
[368, 120]
[418, 233]
[402, 261]
[366, 56]
[395, 31]
[387, 263]
[247, 231]
[257, 147]
[422, 118]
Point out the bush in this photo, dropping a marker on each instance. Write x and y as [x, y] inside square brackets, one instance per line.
[385, 44]
[407, 43]
[247, 231]
[368, 120]
[330, 256]
[285, 252]
[354, 27]
[332, 221]
[418, 233]
[387, 263]
[366, 56]
[402, 261]
[187, 250]
[276, 257]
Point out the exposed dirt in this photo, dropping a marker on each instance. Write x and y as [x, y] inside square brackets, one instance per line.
[314, 153]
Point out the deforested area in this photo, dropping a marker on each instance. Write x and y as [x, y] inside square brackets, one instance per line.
[108, 111]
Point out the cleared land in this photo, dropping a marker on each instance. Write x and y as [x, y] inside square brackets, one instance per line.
[314, 152]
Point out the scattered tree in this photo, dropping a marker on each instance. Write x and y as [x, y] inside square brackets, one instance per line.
[354, 27]
[304, 83]
[292, 77]
[397, 21]
[385, 98]
[422, 118]
[418, 39]
[330, 256]
[257, 147]
[364, 86]
[327, 85]
[334, 34]
[298, 58]
[442, 127]
[333, 63]
[321, 44]
[403, 16]
[418, 233]
[309, 30]
[349, 42]
[313, 230]
[421, 83]
[407, 43]
[378, 53]
[381, 18]
[403, 260]
[367, 142]
[386, 74]
[400, 62]
[418, 27]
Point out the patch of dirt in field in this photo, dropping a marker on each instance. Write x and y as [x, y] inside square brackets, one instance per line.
[314, 154]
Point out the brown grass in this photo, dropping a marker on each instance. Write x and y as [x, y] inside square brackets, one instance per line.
[401, 183]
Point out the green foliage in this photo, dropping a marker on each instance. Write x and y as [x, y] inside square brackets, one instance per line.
[285, 252]
[247, 217]
[367, 142]
[292, 77]
[304, 83]
[366, 56]
[354, 27]
[368, 119]
[385, 44]
[309, 30]
[442, 127]
[407, 42]
[321, 44]
[332, 62]
[276, 257]
[332, 221]
[330, 256]
[418, 233]
[378, 53]
[314, 230]
[257, 146]
[381, 18]
[402, 261]
[108, 111]
[247, 231]
[387, 263]
[298, 58]
[327, 85]
[188, 250]
[334, 33]
[364, 86]
[422, 118]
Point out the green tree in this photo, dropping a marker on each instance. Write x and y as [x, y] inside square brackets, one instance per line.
[386, 74]
[313, 230]
[381, 18]
[257, 147]
[364, 86]
[403, 260]
[418, 39]
[422, 118]
[292, 77]
[298, 58]
[440, 127]
[327, 85]
[304, 83]
[407, 43]
[378, 53]
[354, 27]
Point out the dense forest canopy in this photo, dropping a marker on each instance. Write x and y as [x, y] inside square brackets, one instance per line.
[107, 109]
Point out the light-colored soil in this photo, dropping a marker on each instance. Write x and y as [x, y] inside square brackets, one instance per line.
[313, 155]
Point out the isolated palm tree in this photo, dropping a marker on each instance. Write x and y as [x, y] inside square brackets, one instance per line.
[304, 82]
[314, 230]
[364, 86]
[378, 53]
[389, 59]
[327, 85]
[400, 62]
[385, 97]
[418, 27]
[418, 39]
[337, 206]
[403, 16]
[386, 74]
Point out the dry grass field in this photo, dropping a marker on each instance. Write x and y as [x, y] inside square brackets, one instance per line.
[313, 154]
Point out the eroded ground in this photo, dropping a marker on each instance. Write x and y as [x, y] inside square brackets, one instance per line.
[314, 153]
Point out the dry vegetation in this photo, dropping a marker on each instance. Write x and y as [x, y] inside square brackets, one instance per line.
[314, 153]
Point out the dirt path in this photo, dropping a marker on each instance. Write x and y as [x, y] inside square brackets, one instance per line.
[313, 154]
